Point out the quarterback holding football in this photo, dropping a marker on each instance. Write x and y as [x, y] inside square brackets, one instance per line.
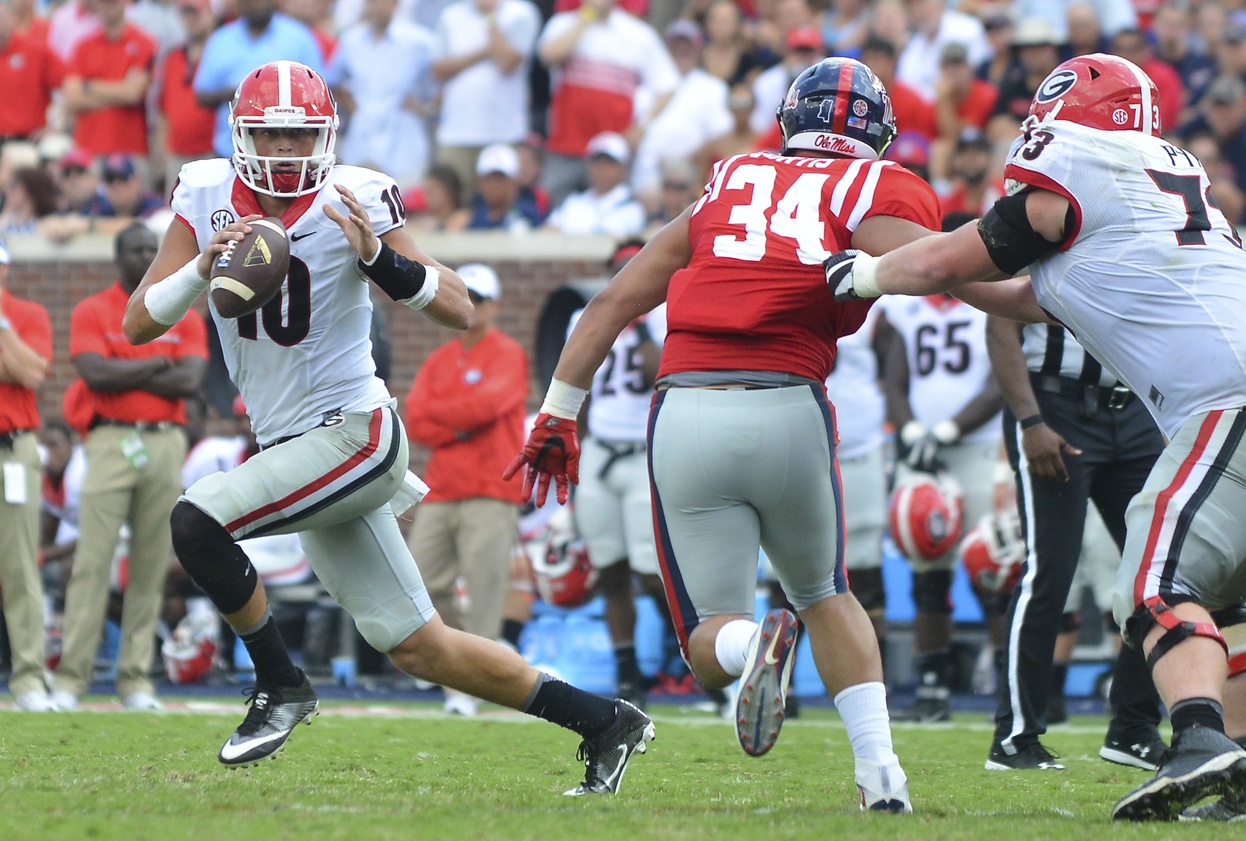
[333, 459]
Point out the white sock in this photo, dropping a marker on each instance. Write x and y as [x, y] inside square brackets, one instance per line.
[863, 708]
[731, 645]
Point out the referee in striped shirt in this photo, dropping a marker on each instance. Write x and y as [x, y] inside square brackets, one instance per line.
[1073, 435]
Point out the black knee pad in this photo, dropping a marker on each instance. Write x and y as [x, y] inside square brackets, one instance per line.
[867, 586]
[932, 591]
[209, 555]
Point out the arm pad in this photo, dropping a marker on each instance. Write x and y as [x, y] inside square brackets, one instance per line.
[1010, 239]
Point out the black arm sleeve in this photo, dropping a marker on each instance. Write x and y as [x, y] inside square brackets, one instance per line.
[399, 277]
[1010, 240]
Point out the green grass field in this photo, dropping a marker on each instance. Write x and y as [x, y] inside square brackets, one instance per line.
[406, 771]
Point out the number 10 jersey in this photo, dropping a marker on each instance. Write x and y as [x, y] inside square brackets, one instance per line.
[307, 352]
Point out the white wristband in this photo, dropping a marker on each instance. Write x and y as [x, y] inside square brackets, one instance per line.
[563, 400]
[911, 432]
[1002, 473]
[432, 282]
[168, 300]
[864, 271]
[946, 431]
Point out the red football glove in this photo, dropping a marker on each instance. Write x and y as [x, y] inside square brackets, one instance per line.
[552, 452]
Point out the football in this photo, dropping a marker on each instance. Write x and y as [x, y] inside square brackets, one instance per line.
[247, 275]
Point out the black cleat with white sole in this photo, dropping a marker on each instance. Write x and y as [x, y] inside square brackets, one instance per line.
[1201, 762]
[274, 713]
[606, 757]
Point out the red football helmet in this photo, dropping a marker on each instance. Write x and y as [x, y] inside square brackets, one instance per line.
[1099, 91]
[190, 651]
[993, 553]
[927, 514]
[283, 94]
[562, 573]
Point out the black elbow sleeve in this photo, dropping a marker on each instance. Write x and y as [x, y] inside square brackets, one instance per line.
[1010, 240]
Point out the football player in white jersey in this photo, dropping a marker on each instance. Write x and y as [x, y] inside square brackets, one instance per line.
[1126, 247]
[334, 453]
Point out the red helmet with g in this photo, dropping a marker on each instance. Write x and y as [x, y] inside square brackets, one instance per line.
[283, 95]
[927, 514]
[1099, 91]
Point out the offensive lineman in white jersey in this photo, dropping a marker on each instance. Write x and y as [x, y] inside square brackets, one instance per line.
[333, 451]
[1126, 248]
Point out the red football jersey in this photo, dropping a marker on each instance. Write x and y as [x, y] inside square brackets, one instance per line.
[754, 296]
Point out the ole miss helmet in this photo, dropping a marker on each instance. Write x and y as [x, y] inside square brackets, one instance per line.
[839, 106]
[1099, 91]
[993, 553]
[926, 515]
[283, 94]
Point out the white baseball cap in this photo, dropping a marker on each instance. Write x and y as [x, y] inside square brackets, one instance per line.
[611, 144]
[498, 157]
[482, 280]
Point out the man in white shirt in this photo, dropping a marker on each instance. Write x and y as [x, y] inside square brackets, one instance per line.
[933, 27]
[607, 206]
[380, 75]
[484, 52]
[696, 113]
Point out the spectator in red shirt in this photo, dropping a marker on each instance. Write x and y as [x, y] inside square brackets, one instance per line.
[106, 84]
[912, 112]
[29, 72]
[318, 17]
[971, 189]
[961, 102]
[1135, 45]
[29, 22]
[184, 125]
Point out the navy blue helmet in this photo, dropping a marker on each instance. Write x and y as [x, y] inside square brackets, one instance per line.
[839, 106]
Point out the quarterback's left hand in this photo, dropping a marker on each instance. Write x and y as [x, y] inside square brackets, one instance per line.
[552, 452]
[356, 226]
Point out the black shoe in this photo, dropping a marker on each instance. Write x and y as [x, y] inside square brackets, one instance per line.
[1226, 810]
[1201, 762]
[605, 757]
[1031, 757]
[1146, 752]
[274, 713]
[925, 711]
[633, 691]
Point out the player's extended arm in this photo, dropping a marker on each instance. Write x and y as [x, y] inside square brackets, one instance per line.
[1014, 233]
[173, 281]
[1042, 445]
[553, 450]
[403, 272]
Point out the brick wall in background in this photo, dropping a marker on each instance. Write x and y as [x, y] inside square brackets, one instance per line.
[530, 271]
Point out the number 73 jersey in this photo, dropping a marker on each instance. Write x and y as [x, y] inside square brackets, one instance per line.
[754, 296]
[1152, 278]
[306, 352]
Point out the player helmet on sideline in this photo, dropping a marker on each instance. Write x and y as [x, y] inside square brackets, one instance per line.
[927, 515]
[838, 105]
[283, 94]
[1099, 91]
[993, 553]
[561, 570]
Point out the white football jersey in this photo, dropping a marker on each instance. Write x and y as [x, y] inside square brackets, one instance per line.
[945, 343]
[852, 388]
[212, 454]
[306, 354]
[618, 408]
[1154, 281]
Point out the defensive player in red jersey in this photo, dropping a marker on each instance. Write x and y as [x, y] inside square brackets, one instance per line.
[741, 435]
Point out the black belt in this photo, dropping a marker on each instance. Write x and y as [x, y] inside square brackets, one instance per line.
[141, 426]
[1092, 395]
[617, 450]
[7, 439]
[334, 418]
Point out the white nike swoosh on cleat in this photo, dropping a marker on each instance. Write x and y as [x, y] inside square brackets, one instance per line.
[230, 751]
[618, 769]
[771, 659]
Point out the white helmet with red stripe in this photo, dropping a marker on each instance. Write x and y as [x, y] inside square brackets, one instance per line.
[283, 94]
[927, 513]
[561, 570]
[993, 553]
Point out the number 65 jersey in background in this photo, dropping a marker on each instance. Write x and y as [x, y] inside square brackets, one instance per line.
[759, 234]
[306, 352]
[1134, 197]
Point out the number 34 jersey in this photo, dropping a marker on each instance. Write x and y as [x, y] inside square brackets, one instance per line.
[754, 295]
[307, 352]
[1153, 278]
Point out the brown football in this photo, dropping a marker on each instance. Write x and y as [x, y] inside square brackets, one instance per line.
[248, 275]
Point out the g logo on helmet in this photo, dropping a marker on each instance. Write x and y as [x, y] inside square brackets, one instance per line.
[1056, 85]
[926, 516]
